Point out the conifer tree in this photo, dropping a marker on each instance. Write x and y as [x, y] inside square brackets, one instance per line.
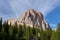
[6, 30]
[0, 24]
[58, 31]
[15, 31]
[20, 33]
[48, 33]
[1, 28]
[54, 35]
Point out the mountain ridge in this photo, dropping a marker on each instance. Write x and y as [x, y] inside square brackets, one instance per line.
[31, 18]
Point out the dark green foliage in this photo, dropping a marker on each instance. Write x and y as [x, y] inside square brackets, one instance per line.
[1, 28]
[6, 27]
[48, 34]
[34, 31]
[22, 32]
[0, 24]
[58, 27]
[54, 35]
[58, 31]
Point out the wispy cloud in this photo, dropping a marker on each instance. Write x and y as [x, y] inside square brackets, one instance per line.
[17, 7]
[14, 8]
[6, 10]
[44, 6]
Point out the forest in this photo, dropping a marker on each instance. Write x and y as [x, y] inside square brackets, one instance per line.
[21, 32]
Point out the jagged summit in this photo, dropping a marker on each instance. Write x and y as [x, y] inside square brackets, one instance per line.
[30, 18]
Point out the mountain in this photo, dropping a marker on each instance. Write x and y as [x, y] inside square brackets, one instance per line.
[31, 18]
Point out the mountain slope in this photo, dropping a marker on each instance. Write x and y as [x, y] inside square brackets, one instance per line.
[31, 18]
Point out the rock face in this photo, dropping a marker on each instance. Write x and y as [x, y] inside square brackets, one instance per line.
[31, 18]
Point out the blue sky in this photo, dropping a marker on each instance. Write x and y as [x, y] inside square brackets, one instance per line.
[53, 17]
[15, 8]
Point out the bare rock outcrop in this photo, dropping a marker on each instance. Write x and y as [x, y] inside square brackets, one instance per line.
[31, 18]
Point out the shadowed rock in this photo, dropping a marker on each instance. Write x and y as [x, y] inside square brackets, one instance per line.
[32, 18]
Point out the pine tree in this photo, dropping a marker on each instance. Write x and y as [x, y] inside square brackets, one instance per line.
[1, 28]
[58, 31]
[42, 35]
[20, 33]
[25, 35]
[6, 27]
[48, 34]
[15, 31]
[6, 30]
[0, 24]
[54, 35]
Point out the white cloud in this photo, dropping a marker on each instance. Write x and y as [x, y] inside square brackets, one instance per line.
[53, 26]
[44, 6]
[19, 6]
[48, 6]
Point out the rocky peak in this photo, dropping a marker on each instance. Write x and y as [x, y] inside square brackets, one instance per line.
[32, 18]
[31, 11]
